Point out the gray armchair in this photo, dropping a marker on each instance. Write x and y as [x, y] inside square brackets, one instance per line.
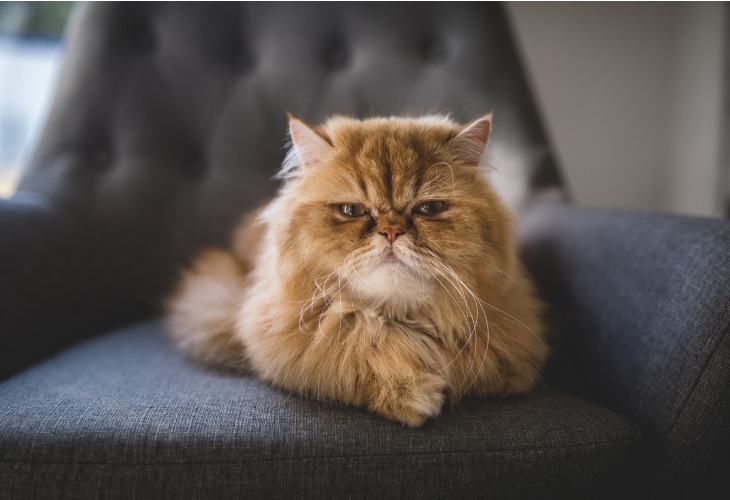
[168, 124]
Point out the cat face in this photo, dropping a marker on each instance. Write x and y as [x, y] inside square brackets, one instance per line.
[392, 208]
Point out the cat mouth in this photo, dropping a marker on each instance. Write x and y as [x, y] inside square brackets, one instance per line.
[391, 258]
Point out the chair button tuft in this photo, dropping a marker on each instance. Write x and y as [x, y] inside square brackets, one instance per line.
[195, 166]
[102, 158]
[196, 170]
[246, 62]
[433, 50]
[336, 56]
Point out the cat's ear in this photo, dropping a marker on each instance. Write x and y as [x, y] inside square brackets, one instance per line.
[311, 148]
[470, 143]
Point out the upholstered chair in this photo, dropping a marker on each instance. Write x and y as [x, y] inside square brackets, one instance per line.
[168, 124]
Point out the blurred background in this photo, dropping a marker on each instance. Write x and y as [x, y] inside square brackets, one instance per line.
[633, 96]
[31, 50]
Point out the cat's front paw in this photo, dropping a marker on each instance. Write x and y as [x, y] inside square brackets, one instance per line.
[410, 402]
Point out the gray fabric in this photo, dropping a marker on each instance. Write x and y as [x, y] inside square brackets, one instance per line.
[125, 416]
[645, 302]
[46, 281]
[723, 177]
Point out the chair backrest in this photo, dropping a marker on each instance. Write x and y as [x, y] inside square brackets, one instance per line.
[169, 119]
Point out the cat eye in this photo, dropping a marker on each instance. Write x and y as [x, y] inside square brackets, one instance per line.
[352, 210]
[430, 207]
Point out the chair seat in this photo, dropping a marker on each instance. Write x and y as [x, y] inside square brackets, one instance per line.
[125, 415]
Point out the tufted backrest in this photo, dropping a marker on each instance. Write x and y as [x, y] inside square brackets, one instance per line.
[169, 119]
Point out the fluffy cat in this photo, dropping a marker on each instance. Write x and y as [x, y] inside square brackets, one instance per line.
[384, 274]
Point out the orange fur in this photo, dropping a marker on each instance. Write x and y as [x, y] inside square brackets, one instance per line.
[314, 306]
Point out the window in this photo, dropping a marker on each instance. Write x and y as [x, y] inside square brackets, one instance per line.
[30, 53]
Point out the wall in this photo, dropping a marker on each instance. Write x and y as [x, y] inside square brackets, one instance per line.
[631, 95]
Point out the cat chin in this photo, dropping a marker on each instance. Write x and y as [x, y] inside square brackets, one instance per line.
[392, 283]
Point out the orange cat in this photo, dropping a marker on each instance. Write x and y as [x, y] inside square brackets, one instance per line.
[384, 274]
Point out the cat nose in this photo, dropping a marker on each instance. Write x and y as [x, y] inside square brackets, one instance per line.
[391, 232]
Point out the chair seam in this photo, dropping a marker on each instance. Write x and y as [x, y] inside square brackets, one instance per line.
[336, 457]
[711, 355]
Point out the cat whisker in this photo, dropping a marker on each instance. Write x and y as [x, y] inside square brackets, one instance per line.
[472, 331]
[359, 294]
[513, 318]
[498, 309]
[459, 286]
[510, 316]
[463, 312]
[474, 296]
[462, 286]
[322, 292]
[352, 266]
[465, 317]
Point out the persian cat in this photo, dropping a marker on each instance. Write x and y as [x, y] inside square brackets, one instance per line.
[384, 274]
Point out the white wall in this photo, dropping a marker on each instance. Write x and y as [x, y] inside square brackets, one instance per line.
[631, 94]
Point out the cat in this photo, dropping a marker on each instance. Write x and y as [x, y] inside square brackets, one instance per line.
[383, 275]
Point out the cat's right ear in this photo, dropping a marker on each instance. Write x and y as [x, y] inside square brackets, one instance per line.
[311, 148]
[471, 142]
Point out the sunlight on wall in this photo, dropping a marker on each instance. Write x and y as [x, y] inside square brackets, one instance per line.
[631, 94]
[30, 52]
[8, 182]
[28, 69]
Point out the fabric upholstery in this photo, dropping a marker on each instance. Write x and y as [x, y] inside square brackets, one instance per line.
[28, 228]
[51, 292]
[124, 415]
[644, 300]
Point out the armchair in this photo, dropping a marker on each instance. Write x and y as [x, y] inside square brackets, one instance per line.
[167, 126]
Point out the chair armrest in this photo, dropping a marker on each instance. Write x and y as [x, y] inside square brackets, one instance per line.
[644, 300]
[50, 294]
[36, 270]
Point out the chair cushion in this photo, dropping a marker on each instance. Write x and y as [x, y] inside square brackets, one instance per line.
[644, 300]
[124, 415]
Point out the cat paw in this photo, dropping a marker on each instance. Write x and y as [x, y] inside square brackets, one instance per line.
[412, 402]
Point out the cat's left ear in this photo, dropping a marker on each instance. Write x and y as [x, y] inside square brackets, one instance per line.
[471, 142]
[311, 148]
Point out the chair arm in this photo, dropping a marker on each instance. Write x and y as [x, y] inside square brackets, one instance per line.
[644, 300]
[36, 271]
[49, 296]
